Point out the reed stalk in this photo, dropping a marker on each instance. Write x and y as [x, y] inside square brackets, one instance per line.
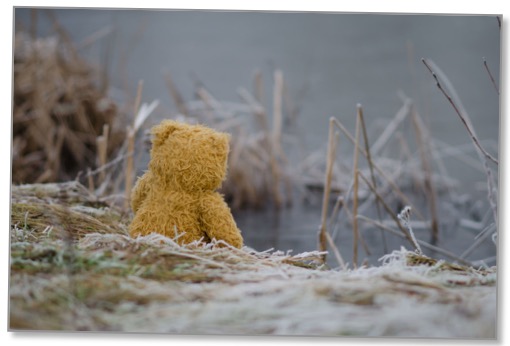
[336, 252]
[130, 137]
[380, 171]
[276, 136]
[355, 195]
[102, 150]
[90, 181]
[371, 167]
[327, 184]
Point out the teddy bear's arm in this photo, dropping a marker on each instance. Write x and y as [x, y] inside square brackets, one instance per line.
[217, 221]
[140, 191]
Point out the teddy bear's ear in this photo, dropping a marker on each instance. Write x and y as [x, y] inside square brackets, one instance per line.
[163, 130]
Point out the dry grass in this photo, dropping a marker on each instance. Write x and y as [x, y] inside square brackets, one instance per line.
[59, 112]
[102, 280]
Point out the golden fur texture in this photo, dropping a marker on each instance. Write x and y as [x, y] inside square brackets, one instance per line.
[177, 194]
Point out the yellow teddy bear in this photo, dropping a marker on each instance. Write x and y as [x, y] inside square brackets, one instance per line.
[177, 194]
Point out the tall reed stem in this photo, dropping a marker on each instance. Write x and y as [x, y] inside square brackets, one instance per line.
[355, 195]
[327, 185]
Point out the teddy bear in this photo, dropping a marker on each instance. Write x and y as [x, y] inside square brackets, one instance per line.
[177, 195]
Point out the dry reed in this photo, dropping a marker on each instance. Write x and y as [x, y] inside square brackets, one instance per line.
[130, 139]
[371, 167]
[58, 112]
[327, 182]
[355, 198]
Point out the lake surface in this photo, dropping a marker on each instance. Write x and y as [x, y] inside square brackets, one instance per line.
[330, 61]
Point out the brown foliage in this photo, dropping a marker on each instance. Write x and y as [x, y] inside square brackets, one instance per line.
[58, 112]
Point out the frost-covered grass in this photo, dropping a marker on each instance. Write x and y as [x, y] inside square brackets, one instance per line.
[81, 275]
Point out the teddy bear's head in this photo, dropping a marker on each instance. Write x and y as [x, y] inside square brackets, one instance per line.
[189, 157]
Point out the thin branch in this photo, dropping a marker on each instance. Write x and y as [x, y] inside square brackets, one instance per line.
[478, 241]
[394, 186]
[483, 155]
[490, 75]
[372, 174]
[336, 252]
[388, 210]
[423, 142]
[459, 113]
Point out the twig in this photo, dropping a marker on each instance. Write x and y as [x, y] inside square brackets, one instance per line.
[327, 184]
[258, 109]
[421, 242]
[388, 210]
[336, 252]
[95, 36]
[391, 127]
[490, 75]
[484, 156]
[371, 167]
[336, 215]
[405, 217]
[422, 139]
[112, 163]
[459, 113]
[394, 186]
[477, 242]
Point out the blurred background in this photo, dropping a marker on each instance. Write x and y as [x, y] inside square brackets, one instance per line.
[329, 63]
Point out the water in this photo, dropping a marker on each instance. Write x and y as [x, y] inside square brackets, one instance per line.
[330, 61]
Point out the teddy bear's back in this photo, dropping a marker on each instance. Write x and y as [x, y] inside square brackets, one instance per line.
[171, 213]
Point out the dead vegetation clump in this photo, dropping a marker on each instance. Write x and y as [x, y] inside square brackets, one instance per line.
[61, 211]
[381, 189]
[60, 113]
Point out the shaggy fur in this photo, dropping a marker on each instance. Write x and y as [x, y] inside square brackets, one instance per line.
[177, 194]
